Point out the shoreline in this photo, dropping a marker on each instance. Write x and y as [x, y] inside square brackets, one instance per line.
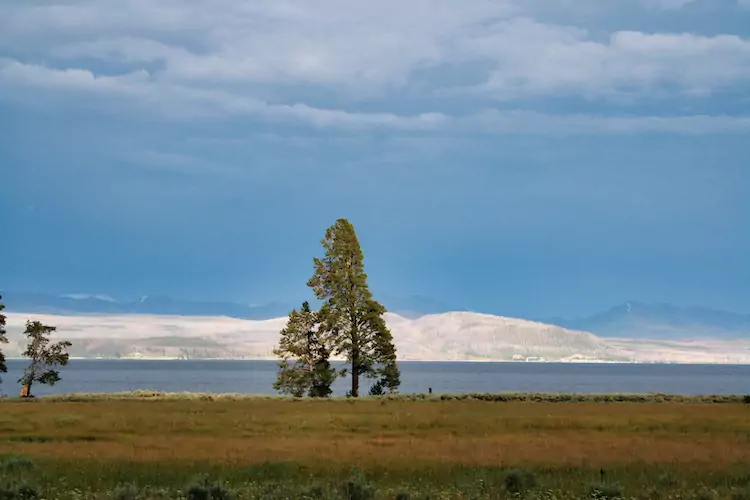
[500, 397]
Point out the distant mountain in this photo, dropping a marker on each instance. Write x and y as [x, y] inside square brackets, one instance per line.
[76, 304]
[456, 336]
[662, 321]
[632, 320]
[449, 336]
[414, 306]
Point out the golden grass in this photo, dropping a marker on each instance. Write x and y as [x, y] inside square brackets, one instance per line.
[380, 434]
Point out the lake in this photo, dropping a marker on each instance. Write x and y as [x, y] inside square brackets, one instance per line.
[256, 377]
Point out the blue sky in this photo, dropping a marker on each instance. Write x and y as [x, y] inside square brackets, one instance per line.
[528, 158]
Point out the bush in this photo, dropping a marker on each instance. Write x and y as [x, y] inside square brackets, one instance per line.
[605, 492]
[126, 492]
[197, 492]
[706, 494]
[402, 495]
[314, 491]
[16, 464]
[519, 482]
[202, 489]
[18, 492]
[740, 494]
[219, 492]
[666, 480]
[746, 399]
[358, 488]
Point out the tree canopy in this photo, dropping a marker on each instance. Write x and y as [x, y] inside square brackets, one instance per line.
[351, 319]
[44, 357]
[304, 367]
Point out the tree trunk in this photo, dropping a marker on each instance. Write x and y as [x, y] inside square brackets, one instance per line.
[26, 391]
[355, 374]
[355, 382]
[355, 357]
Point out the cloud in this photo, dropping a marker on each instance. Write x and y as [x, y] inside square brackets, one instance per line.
[528, 122]
[361, 46]
[532, 59]
[178, 101]
[351, 65]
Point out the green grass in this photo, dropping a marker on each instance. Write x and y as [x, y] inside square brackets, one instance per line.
[276, 480]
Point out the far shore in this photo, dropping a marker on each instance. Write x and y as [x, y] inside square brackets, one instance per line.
[499, 361]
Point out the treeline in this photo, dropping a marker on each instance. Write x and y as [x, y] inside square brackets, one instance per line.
[44, 357]
[349, 324]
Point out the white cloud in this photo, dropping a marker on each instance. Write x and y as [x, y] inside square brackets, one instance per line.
[314, 63]
[361, 45]
[126, 49]
[532, 59]
[179, 101]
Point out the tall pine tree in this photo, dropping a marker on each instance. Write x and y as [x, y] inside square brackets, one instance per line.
[3, 338]
[350, 317]
[304, 367]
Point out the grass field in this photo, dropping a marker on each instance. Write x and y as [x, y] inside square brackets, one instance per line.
[275, 448]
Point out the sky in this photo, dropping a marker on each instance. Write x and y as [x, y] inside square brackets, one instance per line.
[527, 158]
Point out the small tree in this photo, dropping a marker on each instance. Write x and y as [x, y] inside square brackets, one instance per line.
[3, 339]
[304, 366]
[350, 317]
[45, 357]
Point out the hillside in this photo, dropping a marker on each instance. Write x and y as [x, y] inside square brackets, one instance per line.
[456, 336]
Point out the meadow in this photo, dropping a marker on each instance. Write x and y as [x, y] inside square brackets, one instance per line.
[482, 446]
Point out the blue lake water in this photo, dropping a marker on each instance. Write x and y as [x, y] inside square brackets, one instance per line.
[256, 377]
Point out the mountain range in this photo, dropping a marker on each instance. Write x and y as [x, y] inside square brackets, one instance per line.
[635, 320]
[632, 320]
[453, 336]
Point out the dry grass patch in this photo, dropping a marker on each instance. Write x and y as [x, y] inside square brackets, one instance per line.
[376, 433]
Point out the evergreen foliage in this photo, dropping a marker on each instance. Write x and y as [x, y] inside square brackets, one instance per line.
[304, 367]
[45, 357]
[351, 319]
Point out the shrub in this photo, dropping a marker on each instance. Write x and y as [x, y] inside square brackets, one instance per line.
[740, 494]
[314, 491]
[605, 492]
[706, 494]
[197, 491]
[402, 495]
[358, 488]
[18, 492]
[519, 482]
[126, 492]
[219, 492]
[16, 464]
[202, 489]
[746, 399]
[667, 480]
